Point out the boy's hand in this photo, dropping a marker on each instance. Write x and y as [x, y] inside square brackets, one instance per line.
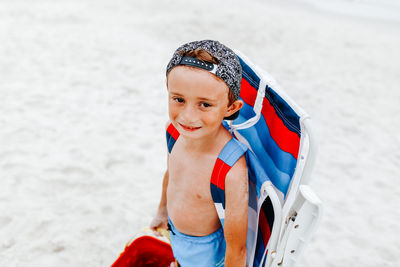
[160, 220]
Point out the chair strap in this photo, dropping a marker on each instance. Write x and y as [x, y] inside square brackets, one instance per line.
[229, 155]
[172, 136]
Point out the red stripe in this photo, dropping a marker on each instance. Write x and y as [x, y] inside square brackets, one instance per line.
[219, 173]
[287, 140]
[264, 227]
[248, 93]
[173, 131]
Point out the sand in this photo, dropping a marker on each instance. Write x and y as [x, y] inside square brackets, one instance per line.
[83, 110]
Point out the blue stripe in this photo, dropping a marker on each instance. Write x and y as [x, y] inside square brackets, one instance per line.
[278, 164]
[282, 108]
[259, 253]
[284, 160]
[280, 179]
[256, 172]
[232, 151]
[170, 142]
[249, 75]
[218, 195]
[252, 197]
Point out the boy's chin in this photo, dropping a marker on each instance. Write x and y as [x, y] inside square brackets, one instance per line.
[191, 134]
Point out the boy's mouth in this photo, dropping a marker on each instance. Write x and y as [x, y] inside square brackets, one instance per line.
[189, 128]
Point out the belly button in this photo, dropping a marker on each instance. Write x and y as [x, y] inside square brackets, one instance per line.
[198, 196]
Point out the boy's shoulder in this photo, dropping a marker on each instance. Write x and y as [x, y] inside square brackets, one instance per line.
[238, 172]
[234, 155]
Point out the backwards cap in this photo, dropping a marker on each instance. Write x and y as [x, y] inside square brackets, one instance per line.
[228, 67]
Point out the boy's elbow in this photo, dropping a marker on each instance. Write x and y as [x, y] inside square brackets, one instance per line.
[238, 249]
[237, 254]
[242, 251]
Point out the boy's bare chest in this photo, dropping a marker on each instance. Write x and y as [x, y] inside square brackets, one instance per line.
[191, 173]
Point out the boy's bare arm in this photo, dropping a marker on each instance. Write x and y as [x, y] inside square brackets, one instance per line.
[161, 218]
[235, 224]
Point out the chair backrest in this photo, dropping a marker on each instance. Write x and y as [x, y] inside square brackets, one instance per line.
[271, 125]
[278, 134]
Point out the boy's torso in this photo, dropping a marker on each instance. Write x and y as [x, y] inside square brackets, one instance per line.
[190, 204]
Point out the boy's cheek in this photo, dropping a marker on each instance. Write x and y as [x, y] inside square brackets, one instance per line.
[214, 117]
[173, 111]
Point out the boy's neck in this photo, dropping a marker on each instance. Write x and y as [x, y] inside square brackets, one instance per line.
[209, 144]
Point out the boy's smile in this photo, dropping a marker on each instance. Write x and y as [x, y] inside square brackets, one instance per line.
[188, 128]
[198, 101]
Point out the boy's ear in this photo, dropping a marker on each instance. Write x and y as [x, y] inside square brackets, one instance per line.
[234, 107]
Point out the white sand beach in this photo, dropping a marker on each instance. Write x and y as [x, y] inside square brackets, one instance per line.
[83, 109]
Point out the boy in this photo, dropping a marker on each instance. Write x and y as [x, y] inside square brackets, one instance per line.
[203, 82]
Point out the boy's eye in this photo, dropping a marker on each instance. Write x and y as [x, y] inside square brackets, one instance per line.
[178, 99]
[205, 105]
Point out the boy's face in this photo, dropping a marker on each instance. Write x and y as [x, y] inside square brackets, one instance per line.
[197, 101]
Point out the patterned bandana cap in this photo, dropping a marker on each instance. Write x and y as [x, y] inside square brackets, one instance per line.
[228, 67]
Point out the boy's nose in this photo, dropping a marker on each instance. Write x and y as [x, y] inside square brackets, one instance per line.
[189, 114]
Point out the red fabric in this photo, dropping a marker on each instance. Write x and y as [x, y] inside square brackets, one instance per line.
[287, 140]
[173, 131]
[248, 93]
[219, 173]
[146, 251]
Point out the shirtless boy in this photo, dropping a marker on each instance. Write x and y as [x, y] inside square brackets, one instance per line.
[199, 98]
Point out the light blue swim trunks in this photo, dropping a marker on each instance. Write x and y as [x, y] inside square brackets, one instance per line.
[198, 251]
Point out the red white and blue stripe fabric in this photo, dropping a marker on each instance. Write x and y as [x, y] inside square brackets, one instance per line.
[275, 138]
[275, 143]
[229, 155]
[172, 136]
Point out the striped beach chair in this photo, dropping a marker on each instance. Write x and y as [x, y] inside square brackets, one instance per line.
[283, 210]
